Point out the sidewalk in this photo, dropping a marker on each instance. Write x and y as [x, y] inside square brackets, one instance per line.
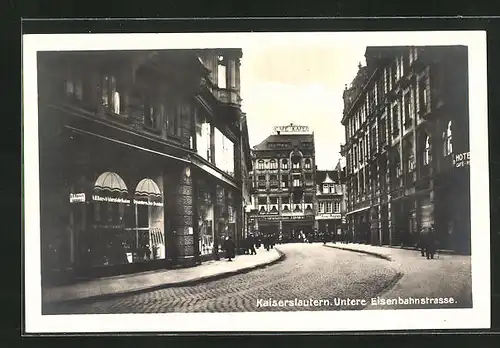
[153, 280]
[443, 277]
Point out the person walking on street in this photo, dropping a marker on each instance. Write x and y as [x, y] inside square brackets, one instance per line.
[251, 244]
[430, 249]
[229, 248]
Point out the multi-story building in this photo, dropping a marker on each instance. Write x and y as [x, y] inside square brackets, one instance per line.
[141, 158]
[406, 119]
[330, 191]
[284, 184]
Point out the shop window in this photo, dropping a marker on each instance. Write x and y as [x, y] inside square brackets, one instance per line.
[205, 218]
[447, 141]
[284, 164]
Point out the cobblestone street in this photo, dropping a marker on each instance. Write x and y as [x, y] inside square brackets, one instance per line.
[309, 271]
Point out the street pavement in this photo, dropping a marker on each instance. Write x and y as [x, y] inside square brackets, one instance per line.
[308, 272]
[445, 277]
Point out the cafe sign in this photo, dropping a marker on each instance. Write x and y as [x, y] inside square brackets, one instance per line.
[461, 159]
[291, 129]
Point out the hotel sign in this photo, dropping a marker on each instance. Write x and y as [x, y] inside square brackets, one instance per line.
[328, 216]
[291, 128]
[461, 160]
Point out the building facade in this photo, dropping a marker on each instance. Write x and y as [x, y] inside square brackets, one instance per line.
[140, 158]
[406, 119]
[330, 191]
[283, 180]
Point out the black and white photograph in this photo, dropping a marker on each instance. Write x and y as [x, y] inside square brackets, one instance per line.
[256, 182]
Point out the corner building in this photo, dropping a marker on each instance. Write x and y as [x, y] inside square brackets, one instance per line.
[283, 184]
[406, 119]
[330, 191]
[141, 155]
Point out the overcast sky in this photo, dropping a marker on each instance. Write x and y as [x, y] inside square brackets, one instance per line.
[302, 84]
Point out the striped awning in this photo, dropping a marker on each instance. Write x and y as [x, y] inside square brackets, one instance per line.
[110, 181]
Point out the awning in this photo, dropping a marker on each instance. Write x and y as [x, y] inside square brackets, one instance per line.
[147, 187]
[357, 211]
[110, 181]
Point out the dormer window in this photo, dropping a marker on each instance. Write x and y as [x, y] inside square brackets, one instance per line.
[284, 164]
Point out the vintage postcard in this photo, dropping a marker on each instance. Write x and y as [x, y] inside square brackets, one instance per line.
[255, 182]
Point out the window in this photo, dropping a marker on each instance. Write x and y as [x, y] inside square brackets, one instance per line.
[224, 152]
[262, 200]
[273, 164]
[308, 176]
[308, 199]
[150, 113]
[260, 164]
[273, 200]
[74, 88]
[285, 200]
[410, 159]
[336, 207]
[307, 163]
[423, 96]
[284, 164]
[221, 75]
[427, 151]
[296, 181]
[373, 139]
[447, 141]
[361, 151]
[173, 120]
[395, 121]
[328, 207]
[408, 107]
[382, 132]
[296, 165]
[284, 181]
[110, 96]
[203, 135]
[321, 207]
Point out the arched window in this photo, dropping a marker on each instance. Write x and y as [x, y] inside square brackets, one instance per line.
[447, 141]
[307, 163]
[427, 151]
[273, 164]
[284, 164]
[260, 164]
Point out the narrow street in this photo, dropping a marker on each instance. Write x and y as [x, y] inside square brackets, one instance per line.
[309, 271]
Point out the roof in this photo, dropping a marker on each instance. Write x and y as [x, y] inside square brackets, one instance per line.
[285, 141]
[327, 176]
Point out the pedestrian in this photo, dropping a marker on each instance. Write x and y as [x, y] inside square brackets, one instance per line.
[251, 244]
[422, 242]
[229, 248]
[430, 244]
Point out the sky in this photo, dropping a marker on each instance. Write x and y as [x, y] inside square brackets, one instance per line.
[303, 84]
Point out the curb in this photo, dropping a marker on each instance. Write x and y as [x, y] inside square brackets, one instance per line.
[189, 282]
[378, 255]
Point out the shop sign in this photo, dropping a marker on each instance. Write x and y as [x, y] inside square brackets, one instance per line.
[154, 204]
[110, 199]
[77, 197]
[328, 216]
[461, 159]
[291, 128]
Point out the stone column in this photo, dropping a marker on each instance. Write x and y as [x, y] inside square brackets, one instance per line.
[180, 206]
